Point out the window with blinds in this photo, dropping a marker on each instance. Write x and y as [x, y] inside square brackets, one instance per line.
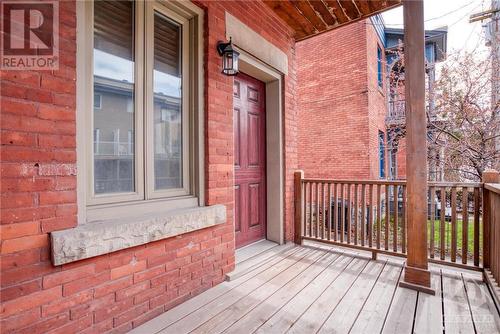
[168, 91]
[141, 80]
[114, 55]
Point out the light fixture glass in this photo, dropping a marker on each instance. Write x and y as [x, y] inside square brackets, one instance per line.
[229, 58]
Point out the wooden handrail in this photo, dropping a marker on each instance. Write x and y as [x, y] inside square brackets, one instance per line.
[371, 215]
[493, 187]
[350, 181]
[395, 182]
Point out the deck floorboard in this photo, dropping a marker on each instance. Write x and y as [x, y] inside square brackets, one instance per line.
[429, 313]
[321, 290]
[457, 314]
[345, 313]
[374, 311]
[285, 317]
[253, 318]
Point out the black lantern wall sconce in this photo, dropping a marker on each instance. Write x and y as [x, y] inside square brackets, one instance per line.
[229, 58]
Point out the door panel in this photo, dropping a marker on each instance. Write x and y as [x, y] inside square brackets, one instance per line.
[253, 145]
[254, 196]
[237, 212]
[237, 135]
[249, 159]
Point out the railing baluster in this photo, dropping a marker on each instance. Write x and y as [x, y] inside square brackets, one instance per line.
[432, 220]
[342, 213]
[442, 225]
[453, 200]
[370, 218]
[335, 213]
[395, 222]
[329, 204]
[349, 214]
[324, 222]
[379, 214]
[317, 210]
[363, 214]
[387, 216]
[476, 226]
[320, 211]
[304, 213]
[403, 221]
[356, 214]
[311, 190]
[465, 224]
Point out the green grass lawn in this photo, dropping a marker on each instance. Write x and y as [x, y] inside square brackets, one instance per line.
[447, 235]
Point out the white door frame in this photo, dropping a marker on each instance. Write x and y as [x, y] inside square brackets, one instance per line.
[264, 61]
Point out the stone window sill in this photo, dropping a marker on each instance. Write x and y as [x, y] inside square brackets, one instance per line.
[108, 236]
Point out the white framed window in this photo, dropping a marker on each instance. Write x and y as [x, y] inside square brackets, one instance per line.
[145, 60]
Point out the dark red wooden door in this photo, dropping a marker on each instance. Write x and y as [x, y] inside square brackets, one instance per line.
[249, 159]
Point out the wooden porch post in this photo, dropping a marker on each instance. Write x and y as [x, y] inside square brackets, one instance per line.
[416, 276]
[299, 196]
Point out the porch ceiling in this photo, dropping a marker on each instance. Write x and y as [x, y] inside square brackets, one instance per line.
[311, 17]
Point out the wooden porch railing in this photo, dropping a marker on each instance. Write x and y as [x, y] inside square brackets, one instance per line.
[371, 215]
[491, 203]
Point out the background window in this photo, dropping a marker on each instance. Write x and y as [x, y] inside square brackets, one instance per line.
[379, 67]
[393, 164]
[381, 149]
[97, 101]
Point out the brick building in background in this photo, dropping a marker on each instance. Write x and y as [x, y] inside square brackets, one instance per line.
[341, 105]
[349, 127]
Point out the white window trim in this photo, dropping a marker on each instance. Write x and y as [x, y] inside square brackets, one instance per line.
[95, 208]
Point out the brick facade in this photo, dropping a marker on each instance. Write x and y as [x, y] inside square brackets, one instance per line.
[401, 159]
[341, 107]
[121, 290]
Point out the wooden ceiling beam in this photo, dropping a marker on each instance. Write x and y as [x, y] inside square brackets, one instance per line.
[321, 9]
[375, 6]
[292, 17]
[363, 6]
[278, 9]
[298, 16]
[308, 11]
[311, 17]
[350, 9]
[337, 11]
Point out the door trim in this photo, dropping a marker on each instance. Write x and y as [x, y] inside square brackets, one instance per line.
[274, 142]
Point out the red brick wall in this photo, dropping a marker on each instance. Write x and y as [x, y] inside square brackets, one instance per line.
[377, 105]
[340, 105]
[121, 290]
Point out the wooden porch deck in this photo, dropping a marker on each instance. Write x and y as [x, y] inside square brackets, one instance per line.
[319, 289]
